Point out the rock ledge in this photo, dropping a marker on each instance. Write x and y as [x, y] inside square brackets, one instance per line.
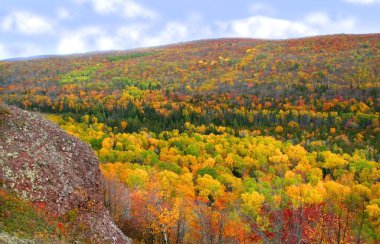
[43, 164]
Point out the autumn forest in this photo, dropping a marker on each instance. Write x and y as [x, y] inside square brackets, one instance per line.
[226, 140]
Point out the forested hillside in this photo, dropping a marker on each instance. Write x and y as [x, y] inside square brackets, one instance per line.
[224, 141]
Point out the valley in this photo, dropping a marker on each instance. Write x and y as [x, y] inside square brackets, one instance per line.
[224, 140]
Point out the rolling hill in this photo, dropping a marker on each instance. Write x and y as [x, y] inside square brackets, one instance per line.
[263, 134]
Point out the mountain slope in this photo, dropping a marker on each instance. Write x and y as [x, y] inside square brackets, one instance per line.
[42, 164]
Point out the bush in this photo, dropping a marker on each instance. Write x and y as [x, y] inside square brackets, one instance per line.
[21, 218]
[4, 110]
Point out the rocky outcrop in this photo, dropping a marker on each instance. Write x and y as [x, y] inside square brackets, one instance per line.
[44, 165]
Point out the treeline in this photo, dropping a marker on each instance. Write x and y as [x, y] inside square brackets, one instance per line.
[344, 125]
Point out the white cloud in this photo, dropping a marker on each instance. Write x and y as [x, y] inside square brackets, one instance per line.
[318, 18]
[125, 37]
[363, 1]
[26, 23]
[63, 13]
[126, 8]
[173, 32]
[143, 34]
[132, 34]
[260, 8]
[265, 27]
[84, 40]
[274, 28]
[3, 52]
[324, 24]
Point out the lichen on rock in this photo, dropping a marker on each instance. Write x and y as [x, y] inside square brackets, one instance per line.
[43, 164]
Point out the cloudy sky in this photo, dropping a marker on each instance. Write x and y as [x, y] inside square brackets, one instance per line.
[37, 27]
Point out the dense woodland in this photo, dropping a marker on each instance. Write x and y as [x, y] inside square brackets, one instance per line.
[224, 141]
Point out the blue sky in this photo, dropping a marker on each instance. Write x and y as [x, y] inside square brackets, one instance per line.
[71, 26]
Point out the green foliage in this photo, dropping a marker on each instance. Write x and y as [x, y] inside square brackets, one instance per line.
[4, 110]
[208, 171]
[261, 56]
[170, 167]
[79, 76]
[129, 56]
[21, 218]
[192, 149]
[96, 143]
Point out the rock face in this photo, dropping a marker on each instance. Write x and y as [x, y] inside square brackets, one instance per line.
[43, 164]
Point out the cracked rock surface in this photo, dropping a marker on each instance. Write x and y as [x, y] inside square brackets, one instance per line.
[43, 164]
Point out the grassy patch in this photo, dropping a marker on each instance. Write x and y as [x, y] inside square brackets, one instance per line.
[79, 76]
[24, 220]
[129, 56]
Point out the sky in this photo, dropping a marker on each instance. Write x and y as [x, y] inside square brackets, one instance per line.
[42, 27]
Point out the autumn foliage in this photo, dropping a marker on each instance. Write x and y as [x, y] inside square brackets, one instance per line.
[225, 141]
